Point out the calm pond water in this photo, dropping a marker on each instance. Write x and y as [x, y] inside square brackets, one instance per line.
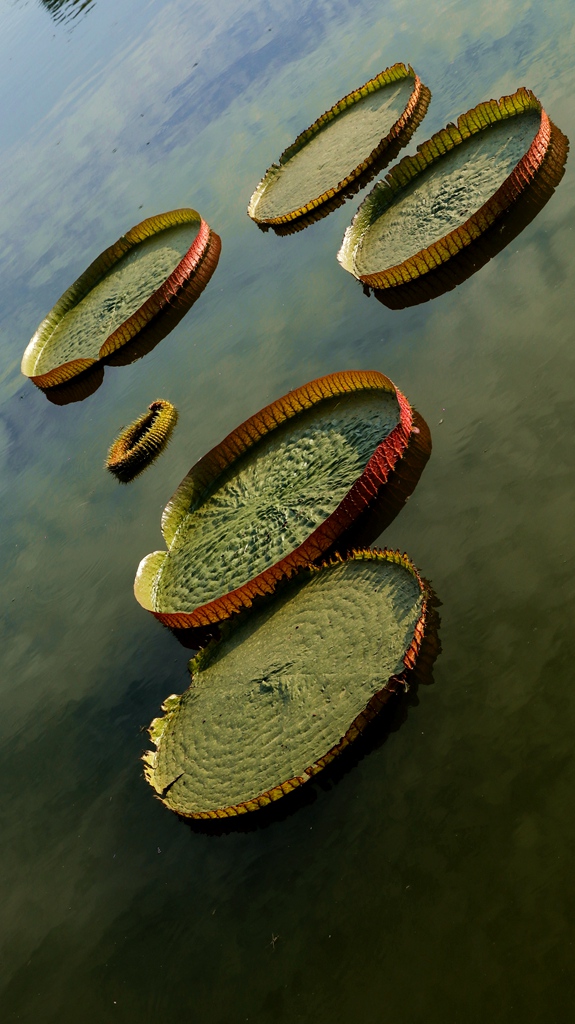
[434, 881]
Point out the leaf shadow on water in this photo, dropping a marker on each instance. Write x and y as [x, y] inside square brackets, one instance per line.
[473, 257]
[370, 524]
[380, 163]
[377, 732]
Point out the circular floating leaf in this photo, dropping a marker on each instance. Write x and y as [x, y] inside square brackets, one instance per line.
[277, 493]
[494, 239]
[289, 686]
[120, 293]
[140, 443]
[341, 146]
[432, 205]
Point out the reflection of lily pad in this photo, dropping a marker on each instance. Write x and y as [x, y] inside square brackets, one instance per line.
[340, 146]
[289, 686]
[140, 443]
[432, 205]
[120, 293]
[277, 493]
[66, 10]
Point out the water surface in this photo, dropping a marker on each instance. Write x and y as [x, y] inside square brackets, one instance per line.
[434, 881]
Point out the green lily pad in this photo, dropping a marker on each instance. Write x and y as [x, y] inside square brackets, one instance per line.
[498, 236]
[277, 493]
[120, 293]
[142, 441]
[288, 686]
[430, 206]
[341, 146]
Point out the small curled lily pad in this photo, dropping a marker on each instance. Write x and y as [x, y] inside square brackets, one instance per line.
[430, 206]
[121, 292]
[341, 146]
[289, 686]
[140, 443]
[277, 493]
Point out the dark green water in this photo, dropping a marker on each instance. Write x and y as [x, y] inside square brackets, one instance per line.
[433, 882]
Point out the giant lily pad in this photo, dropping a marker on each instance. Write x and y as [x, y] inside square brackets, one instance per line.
[289, 686]
[494, 239]
[432, 205]
[277, 493]
[120, 293]
[341, 146]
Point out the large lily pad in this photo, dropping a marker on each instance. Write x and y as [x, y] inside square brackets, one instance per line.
[341, 146]
[494, 239]
[277, 493]
[289, 686]
[432, 205]
[121, 292]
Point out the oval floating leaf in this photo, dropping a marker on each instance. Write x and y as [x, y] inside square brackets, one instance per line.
[432, 205]
[289, 686]
[277, 493]
[480, 251]
[341, 146]
[140, 443]
[121, 292]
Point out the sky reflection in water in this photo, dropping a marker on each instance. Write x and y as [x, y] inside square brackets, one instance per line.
[434, 880]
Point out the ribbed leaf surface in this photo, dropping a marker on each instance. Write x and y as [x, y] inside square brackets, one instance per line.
[277, 493]
[288, 686]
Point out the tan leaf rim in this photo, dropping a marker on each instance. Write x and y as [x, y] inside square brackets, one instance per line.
[198, 264]
[362, 493]
[393, 685]
[384, 192]
[142, 441]
[411, 117]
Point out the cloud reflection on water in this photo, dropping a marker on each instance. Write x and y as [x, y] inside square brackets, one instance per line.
[421, 839]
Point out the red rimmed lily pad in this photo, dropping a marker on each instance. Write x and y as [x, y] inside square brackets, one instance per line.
[497, 237]
[341, 147]
[276, 494]
[289, 686]
[130, 284]
[432, 205]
